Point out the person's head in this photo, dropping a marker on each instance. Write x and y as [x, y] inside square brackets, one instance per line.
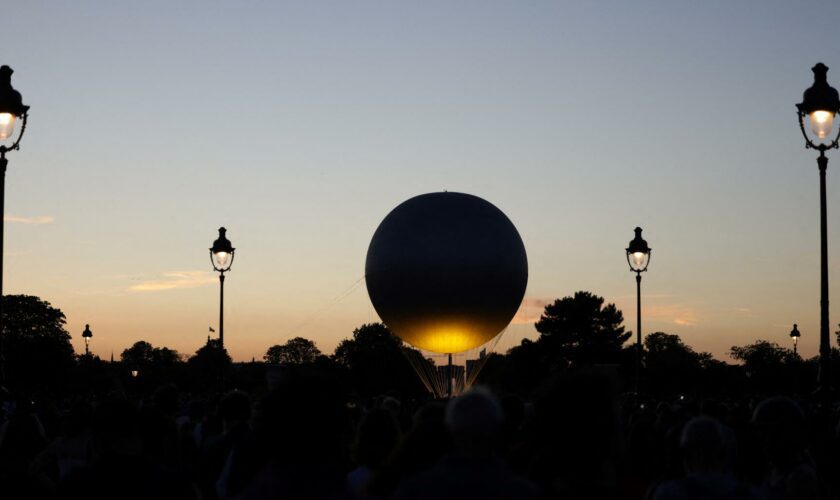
[474, 419]
[703, 445]
[391, 404]
[781, 425]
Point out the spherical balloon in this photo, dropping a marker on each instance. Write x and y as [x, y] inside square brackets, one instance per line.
[446, 272]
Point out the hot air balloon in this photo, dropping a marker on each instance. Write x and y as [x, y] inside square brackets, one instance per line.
[446, 272]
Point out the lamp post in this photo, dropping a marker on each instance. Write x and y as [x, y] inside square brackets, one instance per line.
[87, 334]
[11, 109]
[221, 256]
[820, 103]
[794, 334]
[638, 256]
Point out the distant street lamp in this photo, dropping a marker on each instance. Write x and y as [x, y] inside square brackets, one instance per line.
[221, 255]
[820, 103]
[11, 109]
[638, 256]
[794, 334]
[87, 334]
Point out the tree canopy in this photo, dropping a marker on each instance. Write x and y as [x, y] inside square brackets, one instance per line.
[36, 344]
[295, 351]
[143, 354]
[582, 329]
[374, 357]
[667, 351]
[768, 366]
[670, 366]
[762, 355]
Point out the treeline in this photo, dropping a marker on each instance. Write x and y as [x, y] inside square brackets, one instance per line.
[576, 333]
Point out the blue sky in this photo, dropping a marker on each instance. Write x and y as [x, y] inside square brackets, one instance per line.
[299, 126]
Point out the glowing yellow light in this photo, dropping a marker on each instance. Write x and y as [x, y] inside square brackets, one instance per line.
[821, 116]
[446, 337]
[638, 260]
[821, 123]
[7, 125]
[221, 258]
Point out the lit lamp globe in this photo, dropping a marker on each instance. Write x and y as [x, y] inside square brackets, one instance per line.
[221, 253]
[11, 107]
[794, 335]
[638, 253]
[820, 104]
[446, 272]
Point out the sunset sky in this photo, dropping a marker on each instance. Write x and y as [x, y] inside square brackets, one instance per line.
[299, 126]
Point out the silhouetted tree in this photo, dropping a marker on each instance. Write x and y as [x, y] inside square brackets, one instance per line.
[762, 354]
[668, 351]
[670, 365]
[209, 364]
[139, 354]
[295, 351]
[165, 356]
[769, 367]
[376, 363]
[522, 370]
[36, 345]
[581, 329]
[143, 354]
[93, 375]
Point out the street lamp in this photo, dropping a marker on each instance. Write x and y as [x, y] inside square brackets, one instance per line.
[11, 109]
[820, 103]
[638, 256]
[87, 334]
[794, 334]
[221, 256]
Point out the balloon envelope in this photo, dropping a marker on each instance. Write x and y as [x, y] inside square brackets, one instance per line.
[446, 272]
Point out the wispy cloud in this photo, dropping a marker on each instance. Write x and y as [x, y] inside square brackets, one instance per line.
[530, 311]
[35, 219]
[678, 314]
[175, 279]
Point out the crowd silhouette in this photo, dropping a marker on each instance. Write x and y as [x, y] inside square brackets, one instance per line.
[305, 436]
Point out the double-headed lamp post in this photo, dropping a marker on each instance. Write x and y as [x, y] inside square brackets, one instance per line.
[820, 103]
[87, 334]
[794, 334]
[221, 255]
[11, 110]
[638, 256]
